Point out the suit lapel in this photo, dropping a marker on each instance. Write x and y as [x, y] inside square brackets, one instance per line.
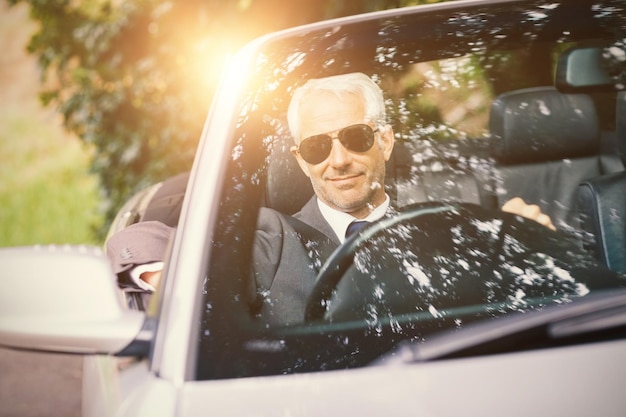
[311, 215]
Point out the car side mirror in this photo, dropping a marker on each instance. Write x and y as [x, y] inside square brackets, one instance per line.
[592, 69]
[66, 299]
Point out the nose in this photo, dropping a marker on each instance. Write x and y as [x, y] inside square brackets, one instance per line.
[339, 155]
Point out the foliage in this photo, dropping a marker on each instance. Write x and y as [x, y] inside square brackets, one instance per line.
[134, 78]
[49, 202]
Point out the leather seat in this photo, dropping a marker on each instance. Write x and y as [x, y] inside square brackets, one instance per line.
[287, 188]
[545, 144]
[602, 203]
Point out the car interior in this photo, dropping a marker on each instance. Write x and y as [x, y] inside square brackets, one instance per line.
[545, 146]
[541, 146]
[529, 148]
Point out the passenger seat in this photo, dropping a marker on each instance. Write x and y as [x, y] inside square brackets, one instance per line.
[545, 144]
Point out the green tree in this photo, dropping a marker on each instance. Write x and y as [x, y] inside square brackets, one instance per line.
[135, 78]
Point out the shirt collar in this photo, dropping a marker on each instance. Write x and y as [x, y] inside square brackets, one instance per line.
[339, 221]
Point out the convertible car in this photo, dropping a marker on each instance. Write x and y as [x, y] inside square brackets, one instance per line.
[449, 306]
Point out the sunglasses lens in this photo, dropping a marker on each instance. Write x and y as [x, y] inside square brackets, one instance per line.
[357, 138]
[315, 149]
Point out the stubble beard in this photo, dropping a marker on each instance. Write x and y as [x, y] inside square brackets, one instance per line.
[361, 200]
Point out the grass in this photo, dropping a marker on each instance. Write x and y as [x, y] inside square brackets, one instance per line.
[47, 195]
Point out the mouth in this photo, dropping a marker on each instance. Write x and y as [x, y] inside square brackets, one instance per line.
[344, 181]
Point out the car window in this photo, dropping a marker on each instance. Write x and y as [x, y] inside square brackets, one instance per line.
[449, 256]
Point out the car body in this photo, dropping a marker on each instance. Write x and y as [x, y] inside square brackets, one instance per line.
[460, 308]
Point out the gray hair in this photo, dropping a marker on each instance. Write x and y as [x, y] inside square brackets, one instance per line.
[355, 83]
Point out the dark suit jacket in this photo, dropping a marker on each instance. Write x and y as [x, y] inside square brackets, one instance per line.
[285, 264]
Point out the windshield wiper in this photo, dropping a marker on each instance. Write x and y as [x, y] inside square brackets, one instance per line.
[596, 314]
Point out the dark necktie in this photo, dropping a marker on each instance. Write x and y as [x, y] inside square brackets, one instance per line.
[355, 226]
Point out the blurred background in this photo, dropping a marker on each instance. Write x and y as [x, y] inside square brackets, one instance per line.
[47, 193]
[99, 99]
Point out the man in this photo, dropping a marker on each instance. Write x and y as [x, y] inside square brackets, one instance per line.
[342, 141]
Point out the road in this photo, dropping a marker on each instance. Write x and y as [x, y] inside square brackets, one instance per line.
[39, 384]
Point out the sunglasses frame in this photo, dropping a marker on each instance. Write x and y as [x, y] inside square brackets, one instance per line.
[341, 138]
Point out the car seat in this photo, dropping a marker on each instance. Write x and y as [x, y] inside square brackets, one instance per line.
[602, 203]
[545, 144]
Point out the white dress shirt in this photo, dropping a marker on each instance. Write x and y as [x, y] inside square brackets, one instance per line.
[339, 221]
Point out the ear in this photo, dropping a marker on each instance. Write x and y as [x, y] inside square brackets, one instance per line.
[387, 141]
[303, 165]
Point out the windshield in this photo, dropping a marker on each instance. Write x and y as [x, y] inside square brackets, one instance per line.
[472, 120]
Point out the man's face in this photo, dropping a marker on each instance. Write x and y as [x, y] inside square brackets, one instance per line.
[352, 182]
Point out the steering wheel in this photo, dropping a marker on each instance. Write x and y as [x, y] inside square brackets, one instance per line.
[336, 266]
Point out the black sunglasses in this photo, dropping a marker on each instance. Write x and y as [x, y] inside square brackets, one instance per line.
[356, 138]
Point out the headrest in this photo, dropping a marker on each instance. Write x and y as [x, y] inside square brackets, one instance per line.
[287, 188]
[540, 124]
[620, 115]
